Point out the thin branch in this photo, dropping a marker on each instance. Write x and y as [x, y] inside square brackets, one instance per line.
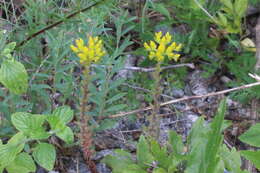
[145, 90]
[205, 11]
[57, 23]
[142, 69]
[181, 100]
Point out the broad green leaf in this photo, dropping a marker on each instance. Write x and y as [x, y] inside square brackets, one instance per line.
[228, 4]
[23, 163]
[144, 157]
[133, 168]
[252, 136]
[215, 138]
[9, 151]
[64, 113]
[240, 7]
[106, 124]
[55, 123]
[160, 7]
[197, 141]
[10, 46]
[44, 154]
[17, 139]
[175, 141]
[14, 76]
[66, 135]
[122, 157]
[252, 156]
[160, 154]
[231, 159]
[222, 19]
[159, 170]
[30, 124]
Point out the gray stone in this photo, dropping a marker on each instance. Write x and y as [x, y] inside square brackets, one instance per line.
[102, 168]
[177, 93]
[101, 154]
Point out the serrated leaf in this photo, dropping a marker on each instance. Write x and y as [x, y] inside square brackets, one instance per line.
[197, 141]
[116, 83]
[116, 108]
[122, 157]
[23, 163]
[115, 98]
[175, 141]
[144, 157]
[65, 113]
[252, 156]
[106, 124]
[215, 138]
[30, 124]
[66, 135]
[231, 159]
[14, 76]
[160, 7]
[44, 154]
[9, 151]
[252, 136]
[160, 154]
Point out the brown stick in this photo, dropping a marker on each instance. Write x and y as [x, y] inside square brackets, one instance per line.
[257, 33]
[56, 23]
[182, 99]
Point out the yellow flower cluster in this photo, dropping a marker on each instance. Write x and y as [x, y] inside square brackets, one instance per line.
[162, 47]
[92, 52]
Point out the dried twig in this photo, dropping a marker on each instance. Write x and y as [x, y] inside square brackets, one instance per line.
[145, 90]
[257, 33]
[182, 99]
[141, 69]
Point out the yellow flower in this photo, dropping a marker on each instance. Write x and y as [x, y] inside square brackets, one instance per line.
[162, 47]
[92, 52]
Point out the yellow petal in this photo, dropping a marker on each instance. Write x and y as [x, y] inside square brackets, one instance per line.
[146, 46]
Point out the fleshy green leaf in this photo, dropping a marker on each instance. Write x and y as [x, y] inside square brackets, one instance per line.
[44, 154]
[252, 136]
[23, 163]
[252, 156]
[14, 76]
